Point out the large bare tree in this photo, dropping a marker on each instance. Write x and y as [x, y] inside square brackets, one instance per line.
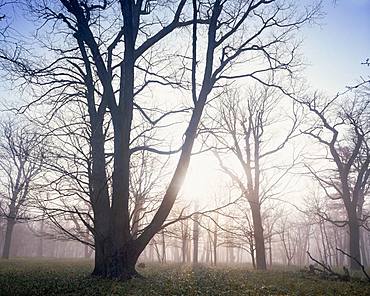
[341, 126]
[107, 53]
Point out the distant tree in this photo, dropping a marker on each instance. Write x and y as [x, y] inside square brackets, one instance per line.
[196, 233]
[247, 129]
[21, 159]
[342, 128]
[289, 238]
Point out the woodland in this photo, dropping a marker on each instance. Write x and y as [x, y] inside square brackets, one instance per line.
[177, 147]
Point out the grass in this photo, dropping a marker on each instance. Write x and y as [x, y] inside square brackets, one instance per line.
[71, 277]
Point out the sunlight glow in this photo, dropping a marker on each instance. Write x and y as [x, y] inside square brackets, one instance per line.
[199, 185]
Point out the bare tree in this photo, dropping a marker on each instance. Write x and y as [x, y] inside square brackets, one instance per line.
[107, 59]
[342, 127]
[21, 159]
[245, 130]
[288, 236]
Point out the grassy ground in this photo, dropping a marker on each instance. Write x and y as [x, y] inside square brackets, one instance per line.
[57, 277]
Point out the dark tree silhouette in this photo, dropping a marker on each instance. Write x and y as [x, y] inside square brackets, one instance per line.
[110, 54]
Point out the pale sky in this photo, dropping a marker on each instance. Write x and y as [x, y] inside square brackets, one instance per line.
[333, 51]
[336, 49]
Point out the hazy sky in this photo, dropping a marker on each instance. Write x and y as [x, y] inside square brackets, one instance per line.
[336, 49]
[333, 51]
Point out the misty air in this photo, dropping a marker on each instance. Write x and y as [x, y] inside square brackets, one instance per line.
[184, 147]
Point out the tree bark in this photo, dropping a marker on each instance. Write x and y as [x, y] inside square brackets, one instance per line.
[115, 264]
[354, 241]
[258, 236]
[8, 237]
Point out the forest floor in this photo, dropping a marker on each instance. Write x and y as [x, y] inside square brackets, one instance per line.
[72, 277]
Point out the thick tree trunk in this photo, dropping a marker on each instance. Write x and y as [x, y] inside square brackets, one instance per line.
[122, 264]
[8, 237]
[258, 236]
[100, 257]
[100, 200]
[354, 241]
[102, 239]
[118, 265]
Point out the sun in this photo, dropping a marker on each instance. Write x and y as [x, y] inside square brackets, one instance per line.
[202, 180]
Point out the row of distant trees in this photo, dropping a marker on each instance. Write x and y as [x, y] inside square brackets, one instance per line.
[28, 162]
[96, 159]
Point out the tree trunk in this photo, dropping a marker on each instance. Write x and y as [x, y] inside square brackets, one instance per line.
[258, 236]
[363, 248]
[215, 242]
[251, 248]
[99, 268]
[8, 237]
[86, 252]
[325, 257]
[40, 247]
[116, 261]
[208, 248]
[270, 252]
[99, 200]
[195, 239]
[183, 249]
[354, 241]
[184, 241]
[115, 264]
[164, 256]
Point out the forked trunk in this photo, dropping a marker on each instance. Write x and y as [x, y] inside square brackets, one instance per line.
[119, 264]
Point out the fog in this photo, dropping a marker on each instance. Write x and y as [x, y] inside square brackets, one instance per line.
[195, 133]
